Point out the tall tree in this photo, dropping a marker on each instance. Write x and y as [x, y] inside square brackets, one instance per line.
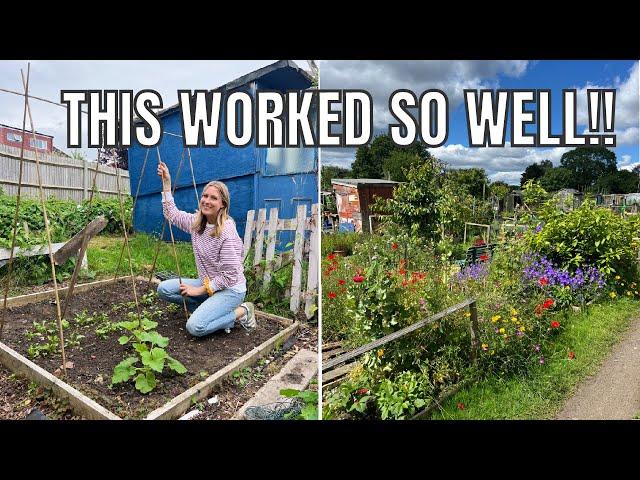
[586, 164]
[535, 171]
[473, 180]
[622, 181]
[377, 159]
[331, 171]
[556, 179]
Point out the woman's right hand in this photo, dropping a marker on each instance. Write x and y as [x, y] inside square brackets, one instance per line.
[163, 172]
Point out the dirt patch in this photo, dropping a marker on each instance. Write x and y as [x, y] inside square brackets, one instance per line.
[94, 358]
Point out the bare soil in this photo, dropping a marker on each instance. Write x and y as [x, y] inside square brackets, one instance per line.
[93, 360]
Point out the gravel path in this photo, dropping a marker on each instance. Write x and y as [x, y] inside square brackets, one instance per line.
[614, 392]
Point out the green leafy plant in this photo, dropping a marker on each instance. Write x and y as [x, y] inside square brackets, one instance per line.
[151, 356]
[309, 398]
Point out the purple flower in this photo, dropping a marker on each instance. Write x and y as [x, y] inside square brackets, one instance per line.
[537, 347]
[519, 333]
[541, 359]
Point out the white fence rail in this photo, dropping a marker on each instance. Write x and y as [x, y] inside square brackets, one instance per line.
[302, 249]
[63, 177]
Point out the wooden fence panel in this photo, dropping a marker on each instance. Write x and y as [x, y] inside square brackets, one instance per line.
[63, 177]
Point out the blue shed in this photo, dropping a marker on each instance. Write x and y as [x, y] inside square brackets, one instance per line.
[257, 177]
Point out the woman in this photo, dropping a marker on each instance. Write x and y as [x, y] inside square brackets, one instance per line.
[215, 298]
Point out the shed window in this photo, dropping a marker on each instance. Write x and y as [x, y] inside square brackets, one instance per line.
[14, 137]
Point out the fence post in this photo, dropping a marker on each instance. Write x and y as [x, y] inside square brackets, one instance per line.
[271, 245]
[473, 310]
[85, 180]
[298, 245]
[314, 254]
[262, 216]
[248, 233]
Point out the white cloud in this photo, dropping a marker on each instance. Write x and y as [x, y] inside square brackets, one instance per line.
[626, 106]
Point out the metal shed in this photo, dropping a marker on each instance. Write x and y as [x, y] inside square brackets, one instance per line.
[257, 177]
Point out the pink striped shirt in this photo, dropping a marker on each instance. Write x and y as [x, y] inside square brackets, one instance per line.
[217, 258]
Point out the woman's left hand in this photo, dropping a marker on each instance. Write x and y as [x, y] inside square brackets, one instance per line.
[191, 291]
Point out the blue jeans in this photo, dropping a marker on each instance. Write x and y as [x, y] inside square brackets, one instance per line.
[210, 314]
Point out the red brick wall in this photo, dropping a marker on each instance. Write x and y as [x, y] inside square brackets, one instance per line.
[4, 139]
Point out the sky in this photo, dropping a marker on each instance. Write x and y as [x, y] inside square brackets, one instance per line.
[381, 78]
[48, 78]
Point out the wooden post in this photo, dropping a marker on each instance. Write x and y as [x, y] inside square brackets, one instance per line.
[262, 217]
[294, 304]
[271, 245]
[473, 310]
[85, 180]
[248, 233]
[314, 256]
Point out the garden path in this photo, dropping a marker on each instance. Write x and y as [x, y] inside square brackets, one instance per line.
[614, 392]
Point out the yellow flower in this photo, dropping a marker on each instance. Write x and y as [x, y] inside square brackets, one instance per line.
[492, 352]
[514, 312]
[613, 295]
[628, 293]
[566, 287]
[501, 330]
[514, 319]
[522, 329]
[467, 314]
[380, 353]
[485, 347]
[617, 277]
[495, 318]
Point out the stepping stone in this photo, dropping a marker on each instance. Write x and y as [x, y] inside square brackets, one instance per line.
[296, 374]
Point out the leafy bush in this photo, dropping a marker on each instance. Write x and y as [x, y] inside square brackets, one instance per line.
[590, 236]
[341, 241]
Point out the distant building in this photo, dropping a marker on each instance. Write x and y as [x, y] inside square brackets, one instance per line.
[354, 198]
[12, 137]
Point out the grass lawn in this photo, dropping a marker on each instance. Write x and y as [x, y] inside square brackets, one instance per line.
[542, 393]
[104, 252]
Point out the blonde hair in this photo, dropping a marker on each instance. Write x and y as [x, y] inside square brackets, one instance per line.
[200, 222]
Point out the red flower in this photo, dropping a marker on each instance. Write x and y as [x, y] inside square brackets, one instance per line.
[394, 246]
[358, 278]
[332, 295]
[403, 262]
[555, 324]
[362, 391]
[572, 355]
[543, 281]
[402, 271]
[405, 283]
[547, 303]
[484, 257]
[460, 406]
[331, 256]
[341, 282]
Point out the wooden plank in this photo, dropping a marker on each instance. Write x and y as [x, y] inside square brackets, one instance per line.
[71, 247]
[18, 252]
[248, 233]
[183, 402]
[341, 371]
[276, 318]
[262, 216]
[311, 295]
[296, 280]
[80, 403]
[395, 335]
[326, 355]
[48, 294]
[330, 345]
[271, 246]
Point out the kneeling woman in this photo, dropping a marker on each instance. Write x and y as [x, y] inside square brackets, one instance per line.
[215, 298]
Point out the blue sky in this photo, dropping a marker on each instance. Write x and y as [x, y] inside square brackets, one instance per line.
[381, 78]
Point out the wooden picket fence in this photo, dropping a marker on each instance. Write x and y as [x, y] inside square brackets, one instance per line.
[309, 249]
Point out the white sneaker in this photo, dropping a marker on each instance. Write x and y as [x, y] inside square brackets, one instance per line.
[248, 320]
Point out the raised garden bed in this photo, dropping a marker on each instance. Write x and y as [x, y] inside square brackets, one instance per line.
[91, 361]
